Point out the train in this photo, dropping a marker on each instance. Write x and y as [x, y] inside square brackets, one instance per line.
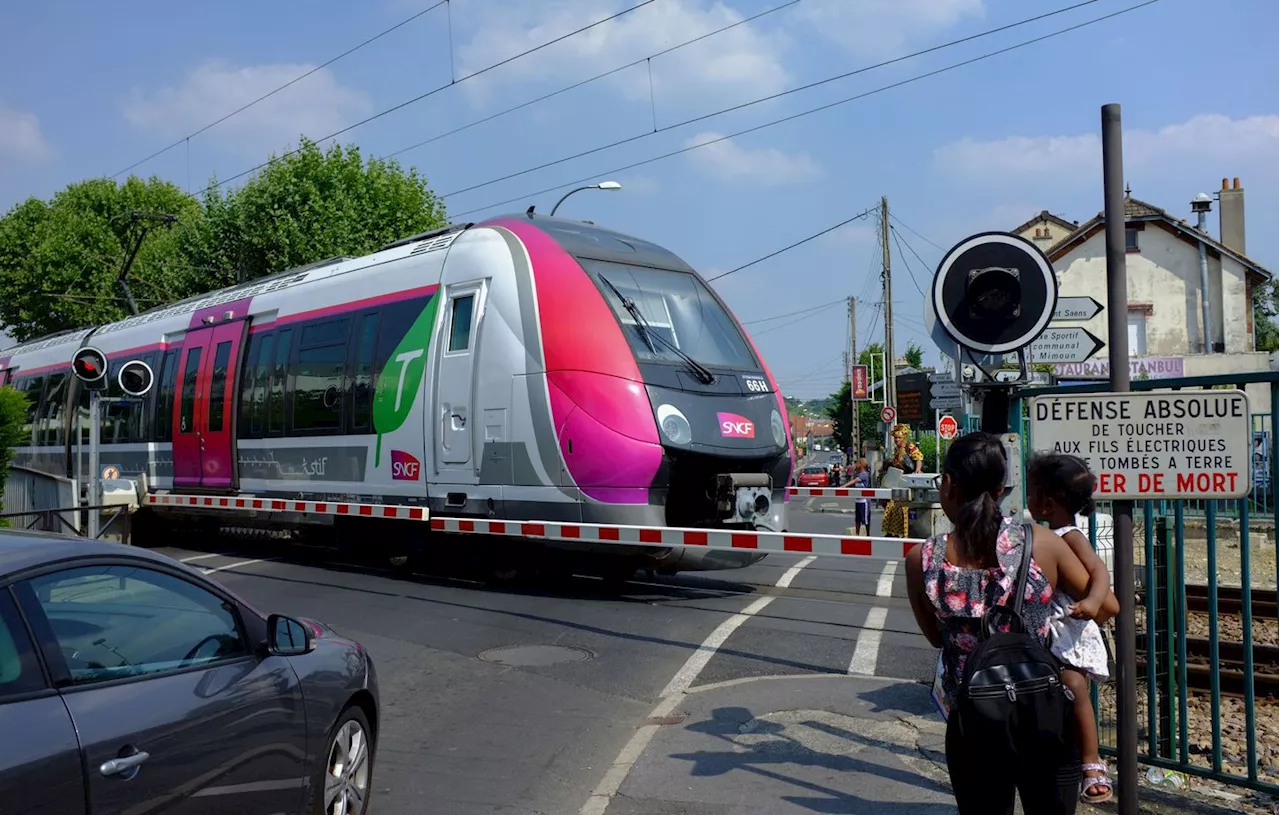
[525, 367]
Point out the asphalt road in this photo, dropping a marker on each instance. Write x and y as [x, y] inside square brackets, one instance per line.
[469, 730]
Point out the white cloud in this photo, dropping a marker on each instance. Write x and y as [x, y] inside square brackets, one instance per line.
[20, 136]
[764, 166]
[885, 28]
[743, 62]
[1209, 139]
[316, 106]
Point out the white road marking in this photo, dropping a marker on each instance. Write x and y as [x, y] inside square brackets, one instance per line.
[867, 649]
[205, 556]
[238, 564]
[674, 692]
[884, 588]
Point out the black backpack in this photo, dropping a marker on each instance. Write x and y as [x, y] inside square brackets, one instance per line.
[1012, 700]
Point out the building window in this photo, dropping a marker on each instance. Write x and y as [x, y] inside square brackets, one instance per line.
[1137, 333]
[1131, 240]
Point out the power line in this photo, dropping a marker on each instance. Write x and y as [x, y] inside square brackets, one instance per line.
[768, 98]
[595, 78]
[271, 93]
[788, 324]
[910, 271]
[791, 117]
[434, 91]
[911, 248]
[793, 313]
[917, 234]
[845, 222]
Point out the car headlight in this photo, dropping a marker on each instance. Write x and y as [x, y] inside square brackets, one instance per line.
[779, 429]
[674, 425]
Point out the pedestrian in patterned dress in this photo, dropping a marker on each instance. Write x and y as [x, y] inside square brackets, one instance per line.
[953, 579]
[1060, 488]
[894, 523]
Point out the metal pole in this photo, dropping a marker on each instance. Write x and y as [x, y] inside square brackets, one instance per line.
[567, 194]
[855, 437]
[95, 481]
[890, 381]
[1122, 511]
[1205, 316]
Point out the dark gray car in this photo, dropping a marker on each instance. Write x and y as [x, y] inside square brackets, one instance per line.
[132, 683]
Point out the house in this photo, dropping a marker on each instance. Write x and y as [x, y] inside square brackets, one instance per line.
[1167, 336]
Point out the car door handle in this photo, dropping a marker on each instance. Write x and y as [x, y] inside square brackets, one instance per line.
[119, 765]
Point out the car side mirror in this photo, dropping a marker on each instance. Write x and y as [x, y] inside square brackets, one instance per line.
[286, 637]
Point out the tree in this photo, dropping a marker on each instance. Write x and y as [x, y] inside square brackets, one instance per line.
[1264, 317]
[914, 356]
[308, 206]
[13, 416]
[839, 411]
[59, 260]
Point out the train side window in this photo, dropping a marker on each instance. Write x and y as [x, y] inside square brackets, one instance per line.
[187, 410]
[460, 323]
[52, 405]
[167, 377]
[218, 386]
[279, 374]
[362, 381]
[140, 419]
[34, 389]
[245, 388]
[317, 395]
[261, 378]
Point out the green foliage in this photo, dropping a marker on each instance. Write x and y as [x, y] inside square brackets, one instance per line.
[914, 356]
[59, 259]
[839, 412]
[1264, 317]
[13, 415]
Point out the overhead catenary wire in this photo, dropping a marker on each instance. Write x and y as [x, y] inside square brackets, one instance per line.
[544, 97]
[794, 116]
[432, 92]
[818, 307]
[789, 247]
[187, 138]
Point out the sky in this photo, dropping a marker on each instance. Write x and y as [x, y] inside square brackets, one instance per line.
[89, 89]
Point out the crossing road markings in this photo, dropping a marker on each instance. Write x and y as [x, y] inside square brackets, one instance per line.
[205, 556]
[884, 587]
[238, 564]
[867, 650]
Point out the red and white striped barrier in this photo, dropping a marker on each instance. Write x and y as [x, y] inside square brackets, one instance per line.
[839, 492]
[405, 513]
[825, 545]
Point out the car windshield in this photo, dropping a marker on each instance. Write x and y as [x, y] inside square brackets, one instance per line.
[677, 311]
[814, 470]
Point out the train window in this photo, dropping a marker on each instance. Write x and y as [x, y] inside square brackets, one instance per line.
[245, 389]
[317, 395]
[52, 407]
[277, 390]
[460, 323]
[32, 387]
[187, 409]
[168, 375]
[218, 386]
[362, 384]
[261, 377]
[325, 333]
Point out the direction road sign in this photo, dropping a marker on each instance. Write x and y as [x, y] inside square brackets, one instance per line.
[948, 427]
[1064, 345]
[1076, 308]
[1184, 444]
[994, 293]
[942, 376]
[944, 389]
[888, 414]
[945, 403]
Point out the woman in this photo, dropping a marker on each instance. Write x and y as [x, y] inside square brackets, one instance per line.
[952, 580]
[908, 458]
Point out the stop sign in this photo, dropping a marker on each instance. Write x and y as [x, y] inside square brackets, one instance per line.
[948, 427]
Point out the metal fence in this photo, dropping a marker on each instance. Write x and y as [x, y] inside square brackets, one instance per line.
[1206, 578]
[115, 524]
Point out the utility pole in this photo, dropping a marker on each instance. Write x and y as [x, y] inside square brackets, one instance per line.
[890, 382]
[855, 437]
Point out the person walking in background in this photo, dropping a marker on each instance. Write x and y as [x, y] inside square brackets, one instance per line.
[1060, 488]
[862, 508]
[953, 581]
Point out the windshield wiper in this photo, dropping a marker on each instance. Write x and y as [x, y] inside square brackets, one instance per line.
[699, 370]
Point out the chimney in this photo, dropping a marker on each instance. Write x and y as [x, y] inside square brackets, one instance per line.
[1231, 215]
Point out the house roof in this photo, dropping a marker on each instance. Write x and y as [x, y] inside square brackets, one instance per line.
[1046, 215]
[1136, 211]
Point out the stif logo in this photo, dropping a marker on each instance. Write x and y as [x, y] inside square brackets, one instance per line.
[404, 467]
[733, 426]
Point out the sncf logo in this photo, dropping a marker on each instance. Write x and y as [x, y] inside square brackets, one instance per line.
[404, 467]
[733, 426]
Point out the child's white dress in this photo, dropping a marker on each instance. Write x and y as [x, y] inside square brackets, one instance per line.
[1077, 643]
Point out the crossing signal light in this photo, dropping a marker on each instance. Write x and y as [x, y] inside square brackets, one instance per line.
[90, 366]
[136, 377]
[994, 293]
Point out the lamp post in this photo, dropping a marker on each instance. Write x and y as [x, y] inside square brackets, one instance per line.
[603, 185]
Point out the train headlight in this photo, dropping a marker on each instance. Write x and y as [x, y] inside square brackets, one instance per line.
[779, 429]
[674, 425]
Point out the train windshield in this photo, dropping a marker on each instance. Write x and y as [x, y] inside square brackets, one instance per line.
[671, 316]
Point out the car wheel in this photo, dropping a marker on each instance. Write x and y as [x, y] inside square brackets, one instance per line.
[341, 784]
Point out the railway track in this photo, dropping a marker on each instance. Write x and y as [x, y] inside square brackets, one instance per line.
[1230, 601]
[1230, 673]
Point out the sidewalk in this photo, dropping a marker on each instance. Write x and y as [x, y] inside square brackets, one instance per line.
[808, 744]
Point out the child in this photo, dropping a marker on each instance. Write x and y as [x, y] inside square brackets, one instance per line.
[862, 509]
[1060, 487]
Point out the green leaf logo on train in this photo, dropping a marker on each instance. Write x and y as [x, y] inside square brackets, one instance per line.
[397, 387]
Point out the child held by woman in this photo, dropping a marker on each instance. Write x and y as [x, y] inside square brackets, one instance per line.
[1060, 488]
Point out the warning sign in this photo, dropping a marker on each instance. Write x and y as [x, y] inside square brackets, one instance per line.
[1188, 444]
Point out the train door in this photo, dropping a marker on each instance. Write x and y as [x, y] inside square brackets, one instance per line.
[455, 380]
[204, 443]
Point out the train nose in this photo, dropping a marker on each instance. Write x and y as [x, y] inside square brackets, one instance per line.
[743, 498]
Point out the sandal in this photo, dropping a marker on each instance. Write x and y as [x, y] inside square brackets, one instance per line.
[1102, 781]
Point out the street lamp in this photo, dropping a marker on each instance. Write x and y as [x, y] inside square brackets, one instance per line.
[603, 185]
